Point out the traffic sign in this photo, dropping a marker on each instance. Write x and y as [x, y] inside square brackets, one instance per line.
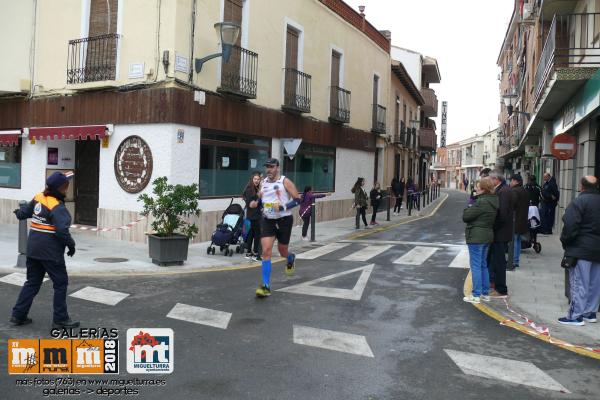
[563, 146]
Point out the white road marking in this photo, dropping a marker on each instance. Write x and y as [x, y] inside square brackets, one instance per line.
[97, 295]
[461, 260]
[200, 315]
[321, 251]
[332, 340]
[417, 255]
[519, 372]
[17, 279]
[366, 253]
[397, 242]
[355, 293]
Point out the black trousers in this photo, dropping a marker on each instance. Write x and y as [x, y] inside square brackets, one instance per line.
[498, 265]
[398, 204]
[36, 270]
[375, 208]
[305, 225]
[253, 236]
[361, 212]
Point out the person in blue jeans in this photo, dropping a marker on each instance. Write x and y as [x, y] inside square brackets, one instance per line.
[479, 234]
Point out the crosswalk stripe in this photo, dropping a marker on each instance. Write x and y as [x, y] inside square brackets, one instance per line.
[416, 256]
[519, 372]
[98, 295]
[402, 242]
[16, 278]
[332, 340]
[366, 253]
[200, 315]
[461, 260]
[321, 251]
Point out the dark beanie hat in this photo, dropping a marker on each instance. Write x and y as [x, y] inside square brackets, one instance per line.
[517, 177]
[58, 179]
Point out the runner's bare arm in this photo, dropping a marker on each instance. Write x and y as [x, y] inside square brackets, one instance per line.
[293, 192]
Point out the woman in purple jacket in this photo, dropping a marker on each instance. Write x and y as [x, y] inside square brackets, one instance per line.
[308, 197]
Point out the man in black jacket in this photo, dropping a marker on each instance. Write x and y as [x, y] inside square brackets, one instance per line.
[580, 238]
[521, 212]
[48, 238]
[503, 231]
[534, 190]
[550, 196]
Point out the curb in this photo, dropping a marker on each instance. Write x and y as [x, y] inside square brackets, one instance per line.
[278, 260]
[581, 350]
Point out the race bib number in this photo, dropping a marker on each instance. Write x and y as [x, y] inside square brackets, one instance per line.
[271, 210]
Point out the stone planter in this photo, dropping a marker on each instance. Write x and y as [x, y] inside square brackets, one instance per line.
[168, 250]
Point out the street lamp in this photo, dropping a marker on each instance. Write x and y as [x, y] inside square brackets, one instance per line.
[510, 101]
[228, 32]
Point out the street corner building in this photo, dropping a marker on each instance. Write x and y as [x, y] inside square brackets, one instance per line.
[123, 92]
[550, 91]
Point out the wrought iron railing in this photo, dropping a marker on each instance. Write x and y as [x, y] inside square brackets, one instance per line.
[379, 113]
[297, 91]
[239, 73]
[427, 138]
[339, 108]
[573, 41]
[92, 59]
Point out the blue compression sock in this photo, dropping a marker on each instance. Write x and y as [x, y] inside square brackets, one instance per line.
[266, 272]
[291, 257]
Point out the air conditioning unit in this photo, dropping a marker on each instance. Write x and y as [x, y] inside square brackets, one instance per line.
[528, 11]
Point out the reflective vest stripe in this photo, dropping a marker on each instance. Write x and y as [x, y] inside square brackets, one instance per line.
[43, 228]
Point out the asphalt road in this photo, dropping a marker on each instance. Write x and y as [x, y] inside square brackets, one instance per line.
[396, 340]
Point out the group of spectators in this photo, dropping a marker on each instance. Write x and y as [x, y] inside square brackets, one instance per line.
[499, 212]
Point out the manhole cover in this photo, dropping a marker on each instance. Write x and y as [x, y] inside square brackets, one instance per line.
[110, 260]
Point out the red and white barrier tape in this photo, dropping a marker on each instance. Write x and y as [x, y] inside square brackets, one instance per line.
[541, 330]
[121, 228]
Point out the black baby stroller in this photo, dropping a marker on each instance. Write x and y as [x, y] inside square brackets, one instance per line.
[229, 231]
[534, 224]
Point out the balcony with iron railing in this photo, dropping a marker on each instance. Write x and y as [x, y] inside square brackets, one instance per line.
[570, 56]
[297, 92]
[92, 59]
[427, 139]
[379, 114]
[239, 73]
[430, 108]
[339, 107]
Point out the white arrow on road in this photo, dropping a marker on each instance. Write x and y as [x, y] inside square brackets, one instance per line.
[355, 293]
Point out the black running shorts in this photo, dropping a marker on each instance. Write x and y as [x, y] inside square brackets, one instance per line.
[281, 228]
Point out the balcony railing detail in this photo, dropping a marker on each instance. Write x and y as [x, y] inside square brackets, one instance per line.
[430, 108]
[379, 113]
[427, 139]
[239, 73]
[339, 110]
[573, 41]
[297, 91]
[92, 59]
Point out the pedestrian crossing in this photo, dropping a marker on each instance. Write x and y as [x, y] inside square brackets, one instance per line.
[417, 256]
[367, 253]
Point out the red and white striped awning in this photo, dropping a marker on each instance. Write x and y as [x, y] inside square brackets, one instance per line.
[10, 138]
[85, 132]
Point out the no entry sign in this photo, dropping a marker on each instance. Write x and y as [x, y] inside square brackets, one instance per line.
[563, 146]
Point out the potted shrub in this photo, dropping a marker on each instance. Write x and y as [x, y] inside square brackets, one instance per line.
[170, 207]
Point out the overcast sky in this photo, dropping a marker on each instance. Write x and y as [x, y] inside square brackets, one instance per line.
[465, 37]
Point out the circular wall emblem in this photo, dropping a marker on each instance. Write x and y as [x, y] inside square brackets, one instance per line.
[133, 164]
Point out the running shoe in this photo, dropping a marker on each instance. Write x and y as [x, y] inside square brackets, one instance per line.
[249, 256]
[263, 291]
[256, 257]
[486, 297]
[575, 322]
[290, 267]
[591, 317]
[471, 299]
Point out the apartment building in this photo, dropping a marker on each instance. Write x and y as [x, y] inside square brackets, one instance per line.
[200, 91]
[549, 87]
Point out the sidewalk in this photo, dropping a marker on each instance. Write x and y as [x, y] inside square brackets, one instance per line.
[537, 291]
[90, 248]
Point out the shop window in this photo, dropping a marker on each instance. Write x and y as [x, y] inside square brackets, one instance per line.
[10, 166]
[312, 166]
[227, 161]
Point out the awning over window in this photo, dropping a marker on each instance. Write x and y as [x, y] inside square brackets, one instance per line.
[91, 132]
[9, 138]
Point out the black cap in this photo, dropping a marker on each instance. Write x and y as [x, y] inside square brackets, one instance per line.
[517, 177]
[57, 179]
[271, 162]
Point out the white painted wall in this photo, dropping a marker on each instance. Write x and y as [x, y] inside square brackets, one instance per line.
[66, 153]
[411, 61]
[350, 164]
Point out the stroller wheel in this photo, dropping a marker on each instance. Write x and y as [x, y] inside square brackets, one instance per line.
[208, 250]
[238, 249]
[213, 251]
[230, 252]
[537, 247]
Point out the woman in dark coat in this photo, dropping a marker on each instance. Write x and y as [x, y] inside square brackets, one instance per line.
[253, 214]
[398, 192]
[479, 233]
[376, 197]
[360, 202]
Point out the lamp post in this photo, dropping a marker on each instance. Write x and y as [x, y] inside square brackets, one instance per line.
[510, 99]
[228, 32]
